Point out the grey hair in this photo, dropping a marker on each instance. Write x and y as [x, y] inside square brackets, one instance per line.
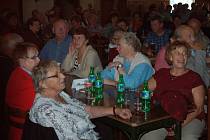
[65, 22]
[40, 72]
[132, 40]
[178, 32]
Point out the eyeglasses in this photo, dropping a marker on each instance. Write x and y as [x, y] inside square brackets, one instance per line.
[33, 57]
[53, 76]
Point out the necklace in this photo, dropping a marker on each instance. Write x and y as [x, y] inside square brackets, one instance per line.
[174, 76]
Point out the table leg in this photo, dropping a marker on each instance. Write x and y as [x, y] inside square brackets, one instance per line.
[178, 130]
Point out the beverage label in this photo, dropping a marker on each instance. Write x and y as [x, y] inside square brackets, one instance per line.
[145, 94]
[92, 78]
[120, 99]
[120, 87]
[98, 84]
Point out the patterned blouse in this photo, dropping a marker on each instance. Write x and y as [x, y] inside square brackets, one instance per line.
[76, 64]
[70, 121]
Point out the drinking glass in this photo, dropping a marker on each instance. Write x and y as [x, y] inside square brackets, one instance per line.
[152, 49]
[88, 92]
[133, 99]
[137, 102]
[127, 98]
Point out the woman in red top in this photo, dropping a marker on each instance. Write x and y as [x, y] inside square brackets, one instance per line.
[178, 88]
[20, 91]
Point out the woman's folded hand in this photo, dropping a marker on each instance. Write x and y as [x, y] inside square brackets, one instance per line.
[123, 113]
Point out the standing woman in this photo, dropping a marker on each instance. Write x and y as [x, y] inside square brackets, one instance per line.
[20, 91]
[180, 92]
[81, 55]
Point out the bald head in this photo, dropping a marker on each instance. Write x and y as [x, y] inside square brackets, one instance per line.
[60, 29]
[184, 33]
[9, 42]
[195, 24]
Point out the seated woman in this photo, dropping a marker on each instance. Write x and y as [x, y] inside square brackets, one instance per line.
[32, 32]
[197, 57]
[136, 68]
[81, 55]
[20, 91]
[180, 92]
[54, 108]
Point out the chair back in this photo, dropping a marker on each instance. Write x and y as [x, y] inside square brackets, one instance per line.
[34, 131]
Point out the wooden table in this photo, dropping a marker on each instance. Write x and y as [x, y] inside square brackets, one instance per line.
[140, 123]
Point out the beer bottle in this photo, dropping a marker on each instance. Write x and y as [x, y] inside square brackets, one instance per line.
[120, 100]
[99, 87]
[91, 79]
[145, 98]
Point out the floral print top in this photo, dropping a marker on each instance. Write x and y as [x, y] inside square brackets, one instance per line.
[70, 121]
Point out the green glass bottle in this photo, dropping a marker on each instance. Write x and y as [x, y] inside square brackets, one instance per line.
[91, 76]
[91, 79]
[99, 87]
[145, 98]
[120, 100]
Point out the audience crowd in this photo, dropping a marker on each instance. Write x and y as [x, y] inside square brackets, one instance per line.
[131, 46]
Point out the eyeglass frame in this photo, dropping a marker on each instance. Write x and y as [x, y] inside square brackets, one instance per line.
[33, 57]
[55, 76]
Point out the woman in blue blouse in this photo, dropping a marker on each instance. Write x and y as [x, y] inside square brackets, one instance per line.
[135, 67]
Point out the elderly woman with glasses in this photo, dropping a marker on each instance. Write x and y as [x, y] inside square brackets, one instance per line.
[20, 91]
[54, 108]
[135, 67]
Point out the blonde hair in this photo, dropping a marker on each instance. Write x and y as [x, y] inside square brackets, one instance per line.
[174, 46]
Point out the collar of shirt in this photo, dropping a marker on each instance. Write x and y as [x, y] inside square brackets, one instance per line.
[29, 72]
